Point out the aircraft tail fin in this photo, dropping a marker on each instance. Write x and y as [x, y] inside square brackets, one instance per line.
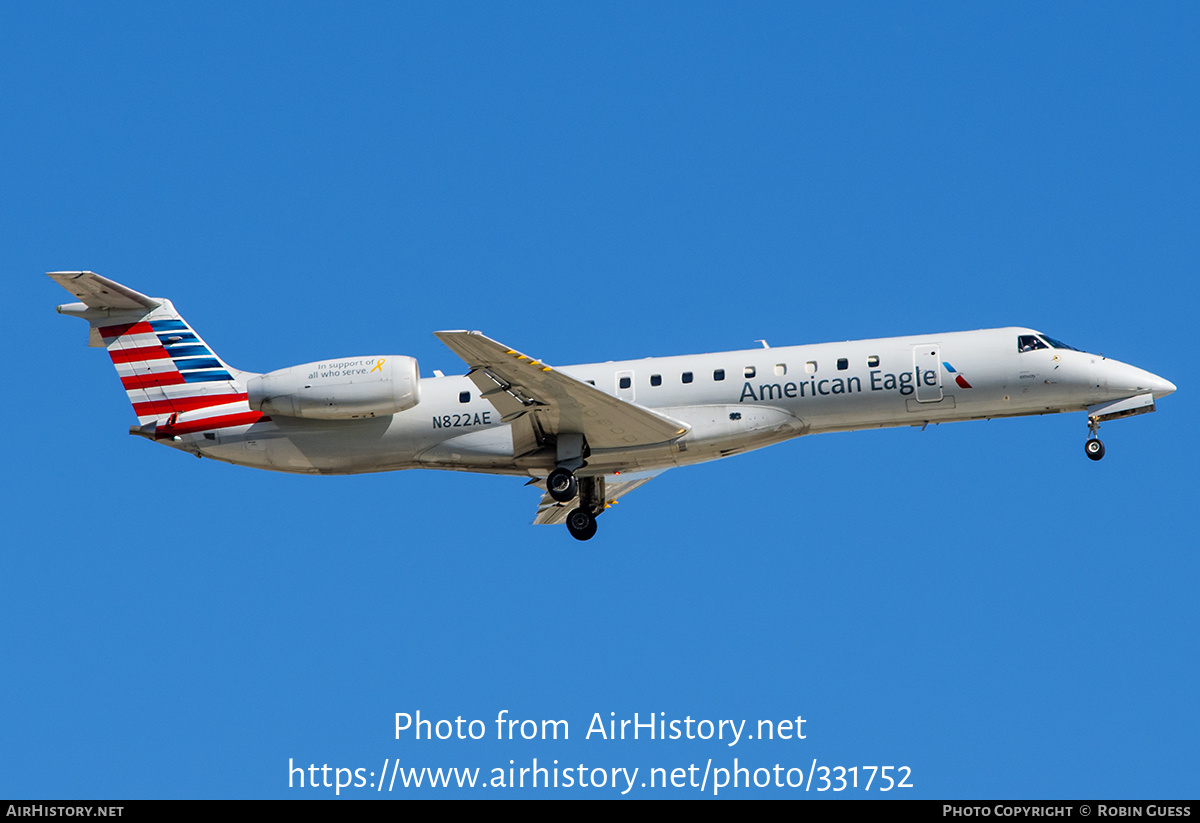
[171, 375]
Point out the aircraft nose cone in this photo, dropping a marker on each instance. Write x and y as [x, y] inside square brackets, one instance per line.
[1160, 387]
[1123, 379]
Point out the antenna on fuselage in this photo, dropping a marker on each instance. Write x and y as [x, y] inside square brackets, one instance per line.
[766, 345]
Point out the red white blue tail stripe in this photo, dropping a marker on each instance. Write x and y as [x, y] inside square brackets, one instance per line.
[168, 370]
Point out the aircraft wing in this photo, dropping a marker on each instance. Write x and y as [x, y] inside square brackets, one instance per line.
[548, 401]
[551, 512]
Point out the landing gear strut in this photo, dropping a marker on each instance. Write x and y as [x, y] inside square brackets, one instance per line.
[1093, 448]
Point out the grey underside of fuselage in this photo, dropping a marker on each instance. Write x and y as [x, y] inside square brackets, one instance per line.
[360, 448]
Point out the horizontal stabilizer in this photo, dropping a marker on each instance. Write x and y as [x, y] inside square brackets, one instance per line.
[98, 292]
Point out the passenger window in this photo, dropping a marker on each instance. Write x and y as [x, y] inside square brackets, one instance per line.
[464, 397]
[811, 367]
[719, 375]
[626, 382]
[655, 380]
[873, 360]
[687, 377]
[843, 364]
[749, 371]
[1029, 342]
[780, 369]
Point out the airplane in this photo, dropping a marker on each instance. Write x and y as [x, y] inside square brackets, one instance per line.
[584, 435]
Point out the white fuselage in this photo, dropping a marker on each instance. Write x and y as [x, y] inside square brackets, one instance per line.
[733, 402]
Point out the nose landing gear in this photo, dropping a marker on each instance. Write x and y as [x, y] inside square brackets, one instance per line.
[1093, 448]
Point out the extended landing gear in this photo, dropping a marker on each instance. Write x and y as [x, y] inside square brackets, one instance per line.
[571, 454]
[562, 486]
[581, 524]
[1093, 448]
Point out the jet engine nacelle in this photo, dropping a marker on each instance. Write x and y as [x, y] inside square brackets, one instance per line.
[338, 389]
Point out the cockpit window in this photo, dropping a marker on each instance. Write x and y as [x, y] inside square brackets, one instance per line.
[1058, 344]
[1029, 342]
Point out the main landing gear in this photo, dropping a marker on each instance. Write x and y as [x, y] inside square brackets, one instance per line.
[581, 524]
[563, 486]
[1093, 448]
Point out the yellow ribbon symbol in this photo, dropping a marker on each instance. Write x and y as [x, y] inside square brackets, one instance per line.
[378, 366]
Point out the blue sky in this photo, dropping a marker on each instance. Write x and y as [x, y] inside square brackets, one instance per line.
[978, 602]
